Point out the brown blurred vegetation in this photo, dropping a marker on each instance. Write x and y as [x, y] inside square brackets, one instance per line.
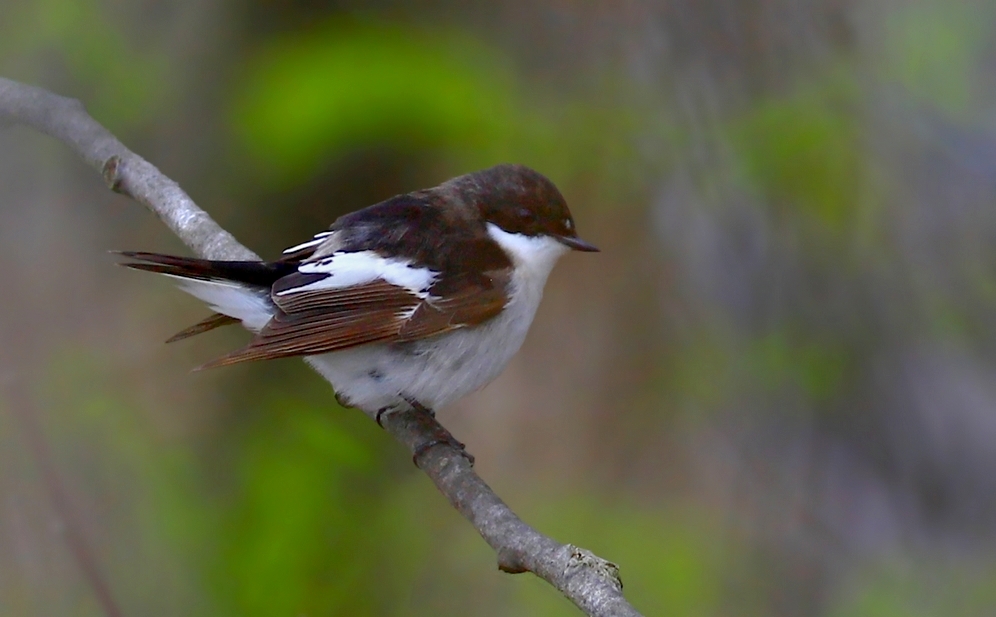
[772, 393]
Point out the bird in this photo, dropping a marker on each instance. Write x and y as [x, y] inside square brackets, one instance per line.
[405, 305]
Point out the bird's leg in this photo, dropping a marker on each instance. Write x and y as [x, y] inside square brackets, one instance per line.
[440, 434]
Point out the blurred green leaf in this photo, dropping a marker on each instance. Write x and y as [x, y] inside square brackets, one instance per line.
[701, 372]
[921, 589]
[803, 151]
[122, 83]
[932, 50]
[147, 489]
[306, 97]
[289, 514]
[779, 359]
[310, 98]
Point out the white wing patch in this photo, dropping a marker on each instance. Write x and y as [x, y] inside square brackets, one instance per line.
[350, 269]
[319, 238]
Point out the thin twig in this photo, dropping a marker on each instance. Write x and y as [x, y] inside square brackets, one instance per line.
[591, 583]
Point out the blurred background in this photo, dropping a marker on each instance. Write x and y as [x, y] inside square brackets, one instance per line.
[772, 393]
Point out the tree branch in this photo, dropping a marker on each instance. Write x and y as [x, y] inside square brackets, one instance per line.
[590, 582]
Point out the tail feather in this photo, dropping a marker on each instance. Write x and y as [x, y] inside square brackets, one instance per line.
[214, 321]
[235, 357]
[236, 290]
[258, 273]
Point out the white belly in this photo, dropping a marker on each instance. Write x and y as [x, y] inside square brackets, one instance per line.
[435, 371]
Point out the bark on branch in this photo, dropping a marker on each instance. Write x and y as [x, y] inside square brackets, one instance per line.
[590, 582]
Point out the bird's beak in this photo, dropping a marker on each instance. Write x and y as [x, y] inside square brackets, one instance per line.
[577, 244]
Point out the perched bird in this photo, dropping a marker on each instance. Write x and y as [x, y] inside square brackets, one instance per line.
[411, 303]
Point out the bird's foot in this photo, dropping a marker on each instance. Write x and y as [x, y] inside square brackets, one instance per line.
[412, 405]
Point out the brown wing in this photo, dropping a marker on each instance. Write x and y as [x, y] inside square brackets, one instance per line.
[326, 320]
[469, 303]
[377, 293]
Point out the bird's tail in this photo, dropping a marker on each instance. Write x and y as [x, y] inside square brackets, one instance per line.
[216, 320]
[237, 290]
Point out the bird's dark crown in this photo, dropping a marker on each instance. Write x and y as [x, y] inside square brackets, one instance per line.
[520, 200]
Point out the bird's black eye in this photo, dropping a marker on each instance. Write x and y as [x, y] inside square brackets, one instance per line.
[568, 224]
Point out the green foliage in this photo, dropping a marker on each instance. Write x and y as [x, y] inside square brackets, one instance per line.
[306, 98]
[803, 151]
[932, 51]
[124, 84]
[780, 359]
[700, 375]
[289, 530]
[710, 372]
[98, 431]
[924, 590]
